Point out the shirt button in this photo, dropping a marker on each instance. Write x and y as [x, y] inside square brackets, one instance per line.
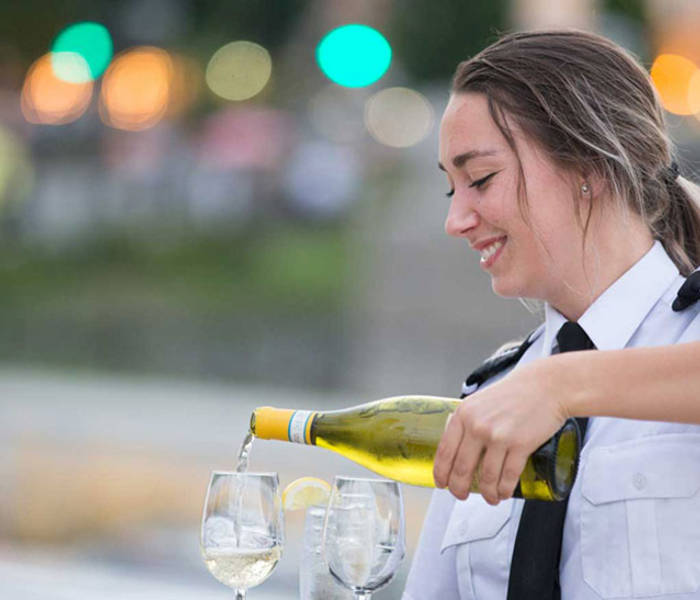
[639, 481]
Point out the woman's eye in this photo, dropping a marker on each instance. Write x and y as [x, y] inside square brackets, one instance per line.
[476, 184]
[479, 182]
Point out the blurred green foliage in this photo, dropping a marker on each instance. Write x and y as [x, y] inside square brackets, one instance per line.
[632, 9]
[430, 38]
[286, 268]
[267, 23]
[263, 305]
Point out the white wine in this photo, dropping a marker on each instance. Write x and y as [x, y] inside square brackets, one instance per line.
[398, 437]
[243, 453]
[240, 568]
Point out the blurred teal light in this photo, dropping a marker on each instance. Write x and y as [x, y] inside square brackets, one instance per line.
[91, 41]
[354, 55]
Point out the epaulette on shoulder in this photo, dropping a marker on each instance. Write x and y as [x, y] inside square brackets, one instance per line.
[689, 293]
[508, 354]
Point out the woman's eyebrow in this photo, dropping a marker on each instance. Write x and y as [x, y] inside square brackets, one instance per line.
[461, 159]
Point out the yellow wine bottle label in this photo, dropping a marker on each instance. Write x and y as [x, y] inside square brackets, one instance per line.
[299, 429]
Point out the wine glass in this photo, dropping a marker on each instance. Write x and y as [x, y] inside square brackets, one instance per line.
[363, 534]
[242, 528]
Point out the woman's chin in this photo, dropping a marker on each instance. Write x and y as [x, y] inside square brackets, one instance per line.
[505, 287]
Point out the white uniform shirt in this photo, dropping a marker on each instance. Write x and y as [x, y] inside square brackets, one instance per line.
[632, 526]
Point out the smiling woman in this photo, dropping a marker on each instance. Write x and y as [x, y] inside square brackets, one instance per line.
[566, 187]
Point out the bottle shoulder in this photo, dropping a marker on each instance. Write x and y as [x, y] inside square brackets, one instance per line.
[415, 404]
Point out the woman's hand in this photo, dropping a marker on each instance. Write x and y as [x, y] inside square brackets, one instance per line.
[499, 427]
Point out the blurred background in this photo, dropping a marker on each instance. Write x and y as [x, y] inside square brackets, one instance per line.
[209, 206]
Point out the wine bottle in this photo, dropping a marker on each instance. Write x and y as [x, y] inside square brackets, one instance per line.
[397, 438]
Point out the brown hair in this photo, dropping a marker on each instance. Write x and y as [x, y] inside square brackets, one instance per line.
[593, 109]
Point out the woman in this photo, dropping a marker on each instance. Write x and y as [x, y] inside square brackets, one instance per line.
[561, 177]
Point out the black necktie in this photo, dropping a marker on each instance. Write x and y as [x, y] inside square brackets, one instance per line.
[534, 570]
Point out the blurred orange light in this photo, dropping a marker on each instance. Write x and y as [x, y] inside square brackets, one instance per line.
[136, 89]
[186, 84]
[48, 100]
[671, 74]
[694, 93]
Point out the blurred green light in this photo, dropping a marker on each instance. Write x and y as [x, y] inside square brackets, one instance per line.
[89, 40]
[354, 55]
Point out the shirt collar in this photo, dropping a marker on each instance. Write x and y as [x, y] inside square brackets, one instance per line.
[616, 314]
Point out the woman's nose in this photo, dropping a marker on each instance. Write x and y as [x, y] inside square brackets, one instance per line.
[461, 217]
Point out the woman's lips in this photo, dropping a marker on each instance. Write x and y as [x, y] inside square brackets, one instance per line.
[490, 254]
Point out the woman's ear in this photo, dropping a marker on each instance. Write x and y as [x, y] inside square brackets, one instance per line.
[591, 185]
[587, 187]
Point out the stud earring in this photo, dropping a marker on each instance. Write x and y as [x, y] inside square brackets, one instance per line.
[585, 188]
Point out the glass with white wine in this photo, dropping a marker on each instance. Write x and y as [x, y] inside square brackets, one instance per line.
[242, 531]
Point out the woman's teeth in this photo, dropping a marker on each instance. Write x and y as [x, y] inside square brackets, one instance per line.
[489, 251]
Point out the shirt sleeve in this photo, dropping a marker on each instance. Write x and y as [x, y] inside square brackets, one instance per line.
[433, 575]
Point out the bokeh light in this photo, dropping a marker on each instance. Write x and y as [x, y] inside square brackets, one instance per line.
[136, 89]
[89, 40]
[337, 113]
[671, 74]
[241, 137]
[239, 70]
[398, 117]
[186, 84]
[70, 67]
[48, 100]
[694, 94]
[354, 55]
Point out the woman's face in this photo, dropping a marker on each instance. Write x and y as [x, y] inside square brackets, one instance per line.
[529, 260]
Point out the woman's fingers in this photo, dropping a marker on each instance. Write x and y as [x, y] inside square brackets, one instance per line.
[464, 466]
[446, 451]
[460, 450]
[490, 474]
[513, 466]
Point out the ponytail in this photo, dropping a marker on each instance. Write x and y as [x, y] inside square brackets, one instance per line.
[678, 227]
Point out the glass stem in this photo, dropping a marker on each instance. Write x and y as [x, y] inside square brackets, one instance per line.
[363, 595]
[240, 594]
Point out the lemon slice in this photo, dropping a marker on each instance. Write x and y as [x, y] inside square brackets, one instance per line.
[305, 492]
